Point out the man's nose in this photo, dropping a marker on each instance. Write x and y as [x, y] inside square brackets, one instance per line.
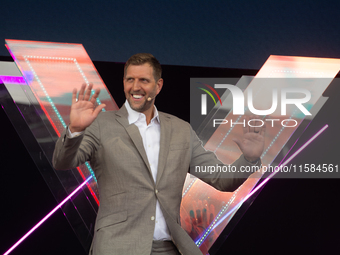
[136, 85]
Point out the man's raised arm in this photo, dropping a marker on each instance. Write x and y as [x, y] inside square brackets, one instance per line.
[251, 145]
[83, 110]
[83, 114]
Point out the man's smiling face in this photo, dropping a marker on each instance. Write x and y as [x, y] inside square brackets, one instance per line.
[139, 86]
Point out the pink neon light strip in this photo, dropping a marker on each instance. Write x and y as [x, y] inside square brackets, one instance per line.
[50, 120]
[12, 79]
[272, 174]
[46, 217]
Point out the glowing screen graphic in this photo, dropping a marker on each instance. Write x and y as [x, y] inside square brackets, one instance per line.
[205, 212]
[52, 70]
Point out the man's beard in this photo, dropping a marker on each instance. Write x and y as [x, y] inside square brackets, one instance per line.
[140, 107]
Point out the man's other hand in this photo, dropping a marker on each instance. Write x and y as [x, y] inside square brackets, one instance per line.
[252, 142]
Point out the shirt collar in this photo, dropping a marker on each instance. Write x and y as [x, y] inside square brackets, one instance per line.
[134, 116]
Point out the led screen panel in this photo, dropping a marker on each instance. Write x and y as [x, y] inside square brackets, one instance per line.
[52, 70]
[296, 78]
[42, 94]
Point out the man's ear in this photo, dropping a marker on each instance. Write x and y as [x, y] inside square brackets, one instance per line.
[159, 85]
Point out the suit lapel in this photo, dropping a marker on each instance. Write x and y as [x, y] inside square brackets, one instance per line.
[164, 144]
[134, 134]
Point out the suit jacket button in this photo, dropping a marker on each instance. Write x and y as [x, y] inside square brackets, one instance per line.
[152, 217]
[156, 191]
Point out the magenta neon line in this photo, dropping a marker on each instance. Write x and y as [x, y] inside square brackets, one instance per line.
[272, 174]
[12, 79]
[46, 217]
[269, 177]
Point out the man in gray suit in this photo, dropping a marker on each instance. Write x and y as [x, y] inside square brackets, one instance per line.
[141, 157]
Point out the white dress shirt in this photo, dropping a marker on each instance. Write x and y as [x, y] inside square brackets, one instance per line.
[151, 140]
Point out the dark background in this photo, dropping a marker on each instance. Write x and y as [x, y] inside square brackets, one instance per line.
[233, 34]
[289, 216]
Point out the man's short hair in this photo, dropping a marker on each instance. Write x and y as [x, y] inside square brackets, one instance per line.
[142, 58]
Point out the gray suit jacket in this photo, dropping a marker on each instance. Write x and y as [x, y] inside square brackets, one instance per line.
[128, 193]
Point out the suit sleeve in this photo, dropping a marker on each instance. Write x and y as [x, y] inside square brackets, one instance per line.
[72, 152]
[202, 159]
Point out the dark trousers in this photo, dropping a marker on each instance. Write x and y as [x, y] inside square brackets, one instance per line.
[164, 248]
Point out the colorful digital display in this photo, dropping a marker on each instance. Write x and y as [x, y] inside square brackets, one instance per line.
[52, 70]
[304, 79]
